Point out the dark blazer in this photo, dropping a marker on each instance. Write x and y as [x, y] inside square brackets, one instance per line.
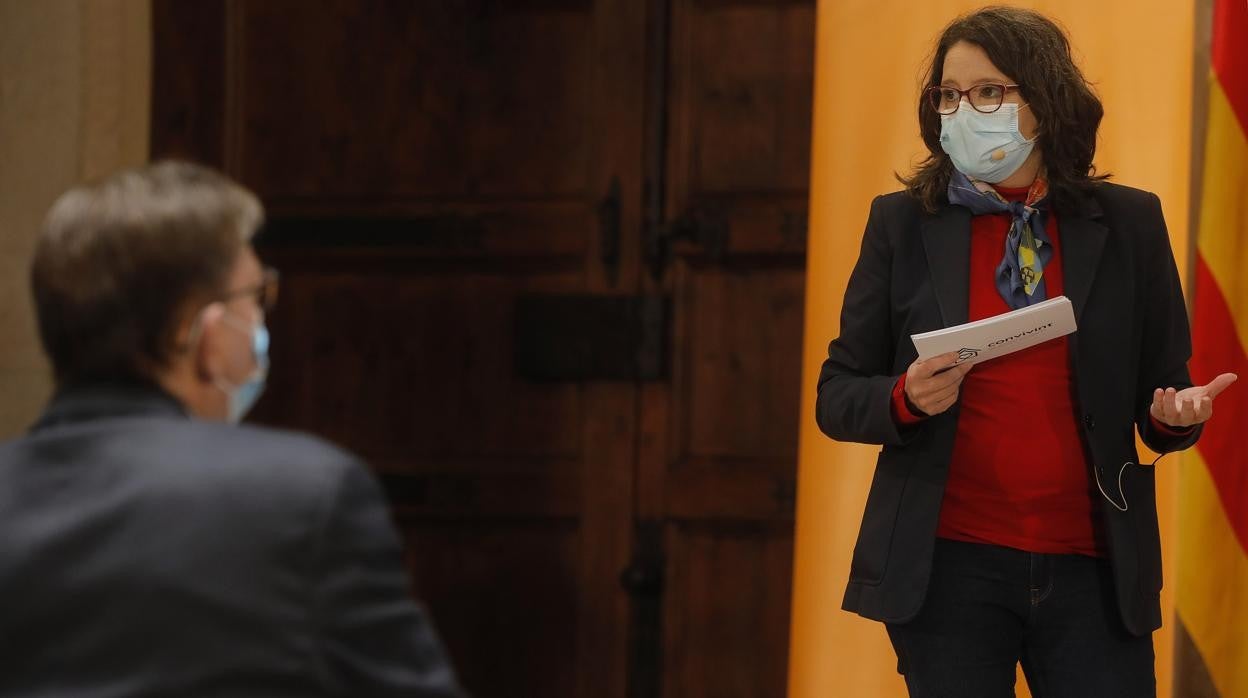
[912, 276]
[146, 553]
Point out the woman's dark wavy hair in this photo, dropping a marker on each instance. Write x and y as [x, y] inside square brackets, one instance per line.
[1034, 52]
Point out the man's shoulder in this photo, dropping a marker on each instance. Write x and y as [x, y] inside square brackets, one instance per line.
[249, 441]
[264, 482]
[264, 454]
[258, 473]
[187, 455]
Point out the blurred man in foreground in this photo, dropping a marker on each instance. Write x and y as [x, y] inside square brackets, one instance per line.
[148, 545]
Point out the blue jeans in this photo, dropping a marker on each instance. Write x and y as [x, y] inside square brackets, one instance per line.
[989, 608]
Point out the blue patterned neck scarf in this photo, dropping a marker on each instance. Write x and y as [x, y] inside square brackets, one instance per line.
[1020, 275]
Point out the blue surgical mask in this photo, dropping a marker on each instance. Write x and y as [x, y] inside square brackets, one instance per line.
[988, 147]
[243, 397]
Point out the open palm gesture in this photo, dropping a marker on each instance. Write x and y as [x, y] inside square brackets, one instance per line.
[1190, 406]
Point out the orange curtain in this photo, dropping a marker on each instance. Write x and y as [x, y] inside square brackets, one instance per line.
[1213, 520]
[869, 58]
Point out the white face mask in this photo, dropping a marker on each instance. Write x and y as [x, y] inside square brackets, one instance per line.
[988, 147]
[243, 397]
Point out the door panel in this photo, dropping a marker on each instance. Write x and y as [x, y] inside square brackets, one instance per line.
[724, 477]
[378, 370]
[742, 131]
[739, 396]
[723, 640]
[485, 582]
[456, 99]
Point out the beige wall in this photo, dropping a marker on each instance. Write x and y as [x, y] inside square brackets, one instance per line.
[74, 96]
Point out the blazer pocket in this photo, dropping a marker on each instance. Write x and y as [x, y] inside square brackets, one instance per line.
[1142, 497]
[879, 520]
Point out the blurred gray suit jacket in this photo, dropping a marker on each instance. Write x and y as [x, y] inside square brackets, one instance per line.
[146, 553]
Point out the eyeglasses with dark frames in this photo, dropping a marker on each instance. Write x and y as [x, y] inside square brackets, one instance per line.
[265, 292]
[985, 98]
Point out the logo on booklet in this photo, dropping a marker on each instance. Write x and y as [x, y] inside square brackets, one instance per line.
[966, 354]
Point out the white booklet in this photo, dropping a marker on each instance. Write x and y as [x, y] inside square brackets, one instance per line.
[1001, 334]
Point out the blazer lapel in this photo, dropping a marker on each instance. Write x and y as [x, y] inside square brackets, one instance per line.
[947, 240]
[1082, 241]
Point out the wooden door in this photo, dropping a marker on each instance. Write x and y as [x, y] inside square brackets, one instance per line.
[542, 267]
[719, 441]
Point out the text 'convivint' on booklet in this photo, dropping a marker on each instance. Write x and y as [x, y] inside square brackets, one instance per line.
[1000, 334]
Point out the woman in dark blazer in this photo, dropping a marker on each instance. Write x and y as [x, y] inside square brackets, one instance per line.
[1009, 519]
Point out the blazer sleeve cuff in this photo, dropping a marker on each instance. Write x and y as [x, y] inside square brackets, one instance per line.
[1168, 431]
[1166, 439]
[904, 412]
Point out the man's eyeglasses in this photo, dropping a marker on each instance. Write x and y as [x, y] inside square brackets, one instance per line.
[985, 98]
[265, 292]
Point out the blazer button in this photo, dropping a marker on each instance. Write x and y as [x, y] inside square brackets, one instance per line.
[1089, 422]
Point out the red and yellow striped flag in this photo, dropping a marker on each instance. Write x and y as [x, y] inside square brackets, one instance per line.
[1212, 587]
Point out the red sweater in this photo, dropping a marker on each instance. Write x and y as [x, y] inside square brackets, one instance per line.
[1019, 476]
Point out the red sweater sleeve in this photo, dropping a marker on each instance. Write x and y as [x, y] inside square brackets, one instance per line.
[902, 414]
[1167, 430]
